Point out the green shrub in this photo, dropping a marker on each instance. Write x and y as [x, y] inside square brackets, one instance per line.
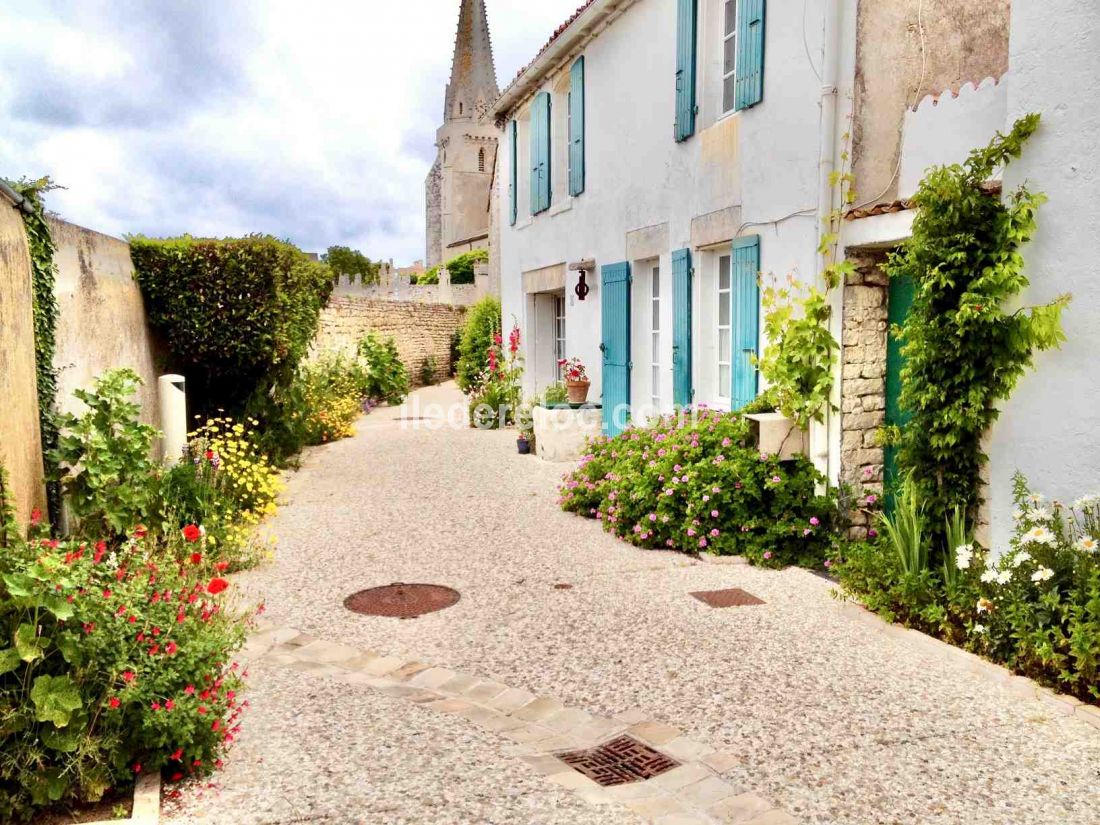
[237, 315]
[428, 370]
[1035, 608]
[461, 267]
[427, 277]
[387, 379]
[700, 485]
[109, 666]
[482, 326]
[352, 264]
[104, 456]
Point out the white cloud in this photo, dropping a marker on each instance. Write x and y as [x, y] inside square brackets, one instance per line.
[313, 121]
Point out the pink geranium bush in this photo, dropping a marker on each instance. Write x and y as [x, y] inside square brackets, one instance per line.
[696, 483]
[115, 660]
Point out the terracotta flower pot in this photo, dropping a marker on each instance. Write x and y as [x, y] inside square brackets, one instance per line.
[578, 391]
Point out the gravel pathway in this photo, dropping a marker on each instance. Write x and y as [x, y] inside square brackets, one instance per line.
[834, 721]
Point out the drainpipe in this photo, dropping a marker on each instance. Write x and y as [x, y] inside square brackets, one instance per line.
[17, 200]
[827, 161]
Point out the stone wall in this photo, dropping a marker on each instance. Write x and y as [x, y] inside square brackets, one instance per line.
[20, 439]
[863, 388]
[419, 330]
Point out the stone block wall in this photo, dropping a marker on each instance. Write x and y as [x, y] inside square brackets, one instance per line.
[419, 330]
[863, 388]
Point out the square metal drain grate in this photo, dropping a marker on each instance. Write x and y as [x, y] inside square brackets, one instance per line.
[619, 761]
[734, 597]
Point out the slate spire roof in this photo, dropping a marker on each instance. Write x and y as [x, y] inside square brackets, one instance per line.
[473, 83]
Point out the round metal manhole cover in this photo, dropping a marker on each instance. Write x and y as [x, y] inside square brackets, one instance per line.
[402, 601]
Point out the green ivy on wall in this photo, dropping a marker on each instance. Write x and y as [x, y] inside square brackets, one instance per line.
[44, 275]
[965, 347]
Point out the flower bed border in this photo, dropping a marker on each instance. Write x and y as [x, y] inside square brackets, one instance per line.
[146, 810]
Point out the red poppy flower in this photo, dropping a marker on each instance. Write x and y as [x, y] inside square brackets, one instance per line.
[128, 676]
[113, 702]
[196, 558]
[170, 648]
[169, 704]
[192, 533]
[155, 705]
[216, 586]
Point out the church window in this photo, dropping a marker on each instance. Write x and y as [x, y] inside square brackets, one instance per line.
[481, 160]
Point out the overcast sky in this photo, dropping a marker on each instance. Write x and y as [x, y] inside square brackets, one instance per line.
[312, 120]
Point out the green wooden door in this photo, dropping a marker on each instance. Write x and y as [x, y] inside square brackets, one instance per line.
[900, 300]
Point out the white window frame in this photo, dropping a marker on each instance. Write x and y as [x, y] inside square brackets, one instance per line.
[559, 334]
[655, 335]
[727, 38]
[724, 297]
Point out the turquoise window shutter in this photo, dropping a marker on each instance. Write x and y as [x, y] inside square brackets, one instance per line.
[750, 53]
[681, 328]
[576, 128]
[540, 153]
[686, 46]
[513, 183]
[745, 294]
[615, 316]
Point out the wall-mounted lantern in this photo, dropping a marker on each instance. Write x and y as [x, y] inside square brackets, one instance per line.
[582, 289]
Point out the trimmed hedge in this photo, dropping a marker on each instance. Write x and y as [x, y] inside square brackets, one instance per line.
[235, 313]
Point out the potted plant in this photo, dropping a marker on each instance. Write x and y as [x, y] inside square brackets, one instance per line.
[526, 423]
[523, 444]
[576, 380]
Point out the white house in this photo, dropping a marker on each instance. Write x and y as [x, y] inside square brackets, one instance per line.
[665, 152]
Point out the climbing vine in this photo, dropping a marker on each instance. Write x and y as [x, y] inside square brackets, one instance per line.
[964, 347]
[44, 274]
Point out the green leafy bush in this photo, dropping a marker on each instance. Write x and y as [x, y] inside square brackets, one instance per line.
[699, 484]
[461, 267]
[352, 264]
[387, 378]
[966, 343]
[427, 277]
[104, 455]
[481, 327]
[1035, 608]
[237, 314]
[115, 661]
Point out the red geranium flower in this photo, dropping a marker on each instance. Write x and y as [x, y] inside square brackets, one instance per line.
[36, 517]
[221, 566]
[113, 702]
[100, 549]
[192, 533]
[128, 676]
[190, 689]
[216, 586]
[170, 648]
[196, 558]
[178, 755]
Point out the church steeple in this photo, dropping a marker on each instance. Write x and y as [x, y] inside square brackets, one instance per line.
[473, 83]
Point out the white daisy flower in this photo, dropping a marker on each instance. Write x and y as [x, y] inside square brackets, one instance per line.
[1038, 514]
[963, 556]
[1004, 577]
[1042, 574]
[1036, 499]
[1038, 535]
[1088, 544]
[1085, 502]
[978, 628]
[989, 576]
[1017, 514]
[1020, 558]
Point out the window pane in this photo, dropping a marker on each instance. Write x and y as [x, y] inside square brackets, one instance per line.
[656, 315]
[724, 272]
[731, 16]
[656, 281]
[729, 92]
[656, 347]
[724, 345]
[723, 309]
[730, 61]
[724, 381]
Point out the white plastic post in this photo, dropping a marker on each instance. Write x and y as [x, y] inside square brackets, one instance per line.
[173, 416]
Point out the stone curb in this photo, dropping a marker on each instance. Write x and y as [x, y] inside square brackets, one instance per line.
[541, 728]
[1013, 682]
[146, 809]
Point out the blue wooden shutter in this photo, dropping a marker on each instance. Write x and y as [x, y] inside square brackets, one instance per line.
[686, 41]
[745, 294]
[750, 53]
[540, 153]
[681, 328]
[513, 185]
[576, 127]
[615, 304]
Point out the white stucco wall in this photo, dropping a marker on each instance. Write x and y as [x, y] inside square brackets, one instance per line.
[1049, 427]
[753, 167]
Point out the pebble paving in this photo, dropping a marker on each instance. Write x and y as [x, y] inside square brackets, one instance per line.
[825, 715]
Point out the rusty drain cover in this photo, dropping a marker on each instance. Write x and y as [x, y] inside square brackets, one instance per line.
[402, 601]
[734, 597]
[619, 761]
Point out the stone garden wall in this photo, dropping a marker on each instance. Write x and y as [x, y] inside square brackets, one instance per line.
[419, 330]
[863, 389]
